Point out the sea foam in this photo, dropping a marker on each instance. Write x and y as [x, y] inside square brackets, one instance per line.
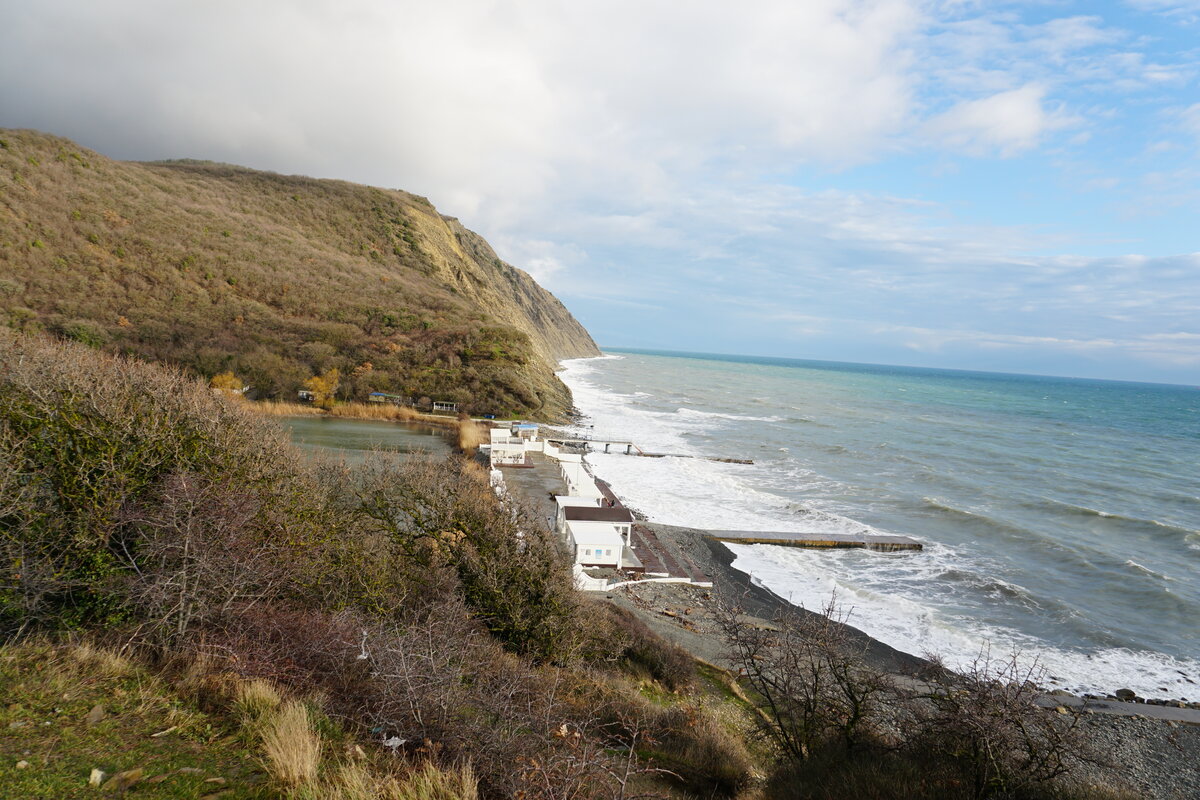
[919, 603]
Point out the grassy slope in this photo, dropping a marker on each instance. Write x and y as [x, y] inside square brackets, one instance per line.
[49, 693]
[274, 277]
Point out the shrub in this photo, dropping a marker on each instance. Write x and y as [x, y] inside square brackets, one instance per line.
[814, 685]
[703, 755]
[986, 724]
[84, 333]
[510, 571]
[618, 634]
[116, 465]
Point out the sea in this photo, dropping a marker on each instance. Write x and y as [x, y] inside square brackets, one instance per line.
[1060, 517]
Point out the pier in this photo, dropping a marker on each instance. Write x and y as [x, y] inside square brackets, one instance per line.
[631, 447]
[868, 541]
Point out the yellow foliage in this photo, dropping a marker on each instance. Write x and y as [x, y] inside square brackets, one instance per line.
[227, 382]
[324, 387]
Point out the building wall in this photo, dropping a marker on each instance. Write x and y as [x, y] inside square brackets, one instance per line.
[592, 554]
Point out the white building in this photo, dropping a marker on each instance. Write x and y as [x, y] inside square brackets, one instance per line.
[506, 449]
[598, 547]
[565, 501]
[599, 535]
[580, 482]
[588, 518]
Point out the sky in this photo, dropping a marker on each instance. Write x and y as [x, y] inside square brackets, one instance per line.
[1007, 186]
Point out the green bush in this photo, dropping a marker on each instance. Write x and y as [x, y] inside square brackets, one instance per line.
[85, 333]
[89, 446]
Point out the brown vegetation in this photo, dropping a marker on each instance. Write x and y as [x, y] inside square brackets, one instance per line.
[845, 729]
[381, 411]
[217, 268]
[418, 607]
[471, 434]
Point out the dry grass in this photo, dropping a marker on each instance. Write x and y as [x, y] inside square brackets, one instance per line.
[386, 411]
[429, 782]
[291, 747]
[356, 781]
[369, 411]
[470, 435]
[256, 701]
[98, 661]
[278, 408]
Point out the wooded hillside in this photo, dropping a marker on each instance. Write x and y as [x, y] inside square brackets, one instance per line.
[276, 278]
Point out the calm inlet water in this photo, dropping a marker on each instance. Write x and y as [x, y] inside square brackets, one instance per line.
[354, 439]
[1061, 517]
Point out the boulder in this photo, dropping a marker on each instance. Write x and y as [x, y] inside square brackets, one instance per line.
[95, 716]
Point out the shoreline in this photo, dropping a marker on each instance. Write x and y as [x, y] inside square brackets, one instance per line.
[975, 591]
[717, 560]
[1153, 750]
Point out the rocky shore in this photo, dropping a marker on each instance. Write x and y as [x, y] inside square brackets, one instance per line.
[1152, 751]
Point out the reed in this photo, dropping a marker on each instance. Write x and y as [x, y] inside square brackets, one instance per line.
[471, 434]
[384, 411]
[276, 408]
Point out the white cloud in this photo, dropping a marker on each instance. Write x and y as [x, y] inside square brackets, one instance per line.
[1179, 349]
[1189, 120]
[1006, 123]
[1185, 9]
[635, 149]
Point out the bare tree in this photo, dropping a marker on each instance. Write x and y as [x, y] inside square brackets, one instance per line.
[986, 720]
[811, 681]
[195, 551]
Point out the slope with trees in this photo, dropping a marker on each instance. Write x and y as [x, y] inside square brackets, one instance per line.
[275, 278]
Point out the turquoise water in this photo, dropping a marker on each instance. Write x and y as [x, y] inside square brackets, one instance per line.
[1061, 516]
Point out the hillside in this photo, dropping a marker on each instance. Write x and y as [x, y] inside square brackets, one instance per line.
[215, 267]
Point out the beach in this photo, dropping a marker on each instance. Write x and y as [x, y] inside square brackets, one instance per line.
[955, 596]
[1058, 517]
[1151, 750]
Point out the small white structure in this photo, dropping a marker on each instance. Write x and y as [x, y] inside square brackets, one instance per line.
[563, 502]
[526, 430]
[597, 547]
[580, 482]
[583, 520]
[506, 449]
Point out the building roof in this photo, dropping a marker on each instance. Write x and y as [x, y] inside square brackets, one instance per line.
[597, 514]
[602, 537]
[576, 501]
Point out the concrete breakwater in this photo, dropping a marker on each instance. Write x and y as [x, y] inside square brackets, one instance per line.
[869, 541]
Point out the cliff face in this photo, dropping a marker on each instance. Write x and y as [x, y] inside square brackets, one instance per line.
[216, 268]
